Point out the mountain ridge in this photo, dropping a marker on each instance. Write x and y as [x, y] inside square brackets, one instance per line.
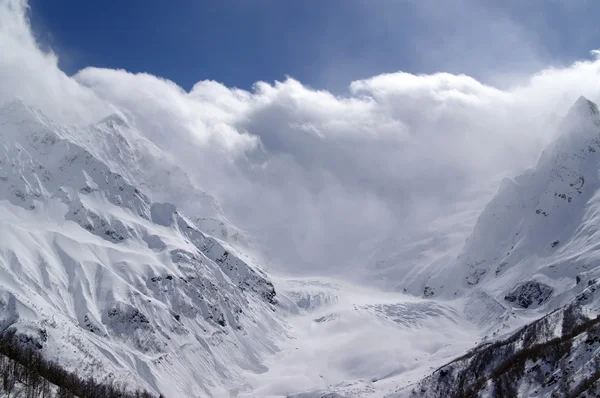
[95, 267]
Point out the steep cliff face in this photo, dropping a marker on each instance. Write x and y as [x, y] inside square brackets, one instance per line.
[106, 279]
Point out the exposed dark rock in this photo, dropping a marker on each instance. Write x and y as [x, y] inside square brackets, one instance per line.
[529, 294]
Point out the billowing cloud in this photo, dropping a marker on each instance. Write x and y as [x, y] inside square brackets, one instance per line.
[316, 177]
[33, 75]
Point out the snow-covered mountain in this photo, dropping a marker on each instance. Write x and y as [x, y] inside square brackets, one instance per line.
[108, 276]
[538, 223]
[114, 263]
[534, 241]
[533, 252]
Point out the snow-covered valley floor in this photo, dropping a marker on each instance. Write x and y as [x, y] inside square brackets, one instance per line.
[359, 342]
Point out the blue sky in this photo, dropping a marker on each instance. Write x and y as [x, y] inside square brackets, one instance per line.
[325, 44]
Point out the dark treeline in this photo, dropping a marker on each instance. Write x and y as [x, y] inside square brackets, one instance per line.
[530, 355]
[23, 370]
[555, 352]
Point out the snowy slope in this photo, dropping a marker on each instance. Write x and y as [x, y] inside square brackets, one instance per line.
[357, 341]
[108, 280]
[557, 355]
[534, 242]
[125, 150]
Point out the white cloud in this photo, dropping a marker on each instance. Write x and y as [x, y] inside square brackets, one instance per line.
[313, 175]
[33, 75]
